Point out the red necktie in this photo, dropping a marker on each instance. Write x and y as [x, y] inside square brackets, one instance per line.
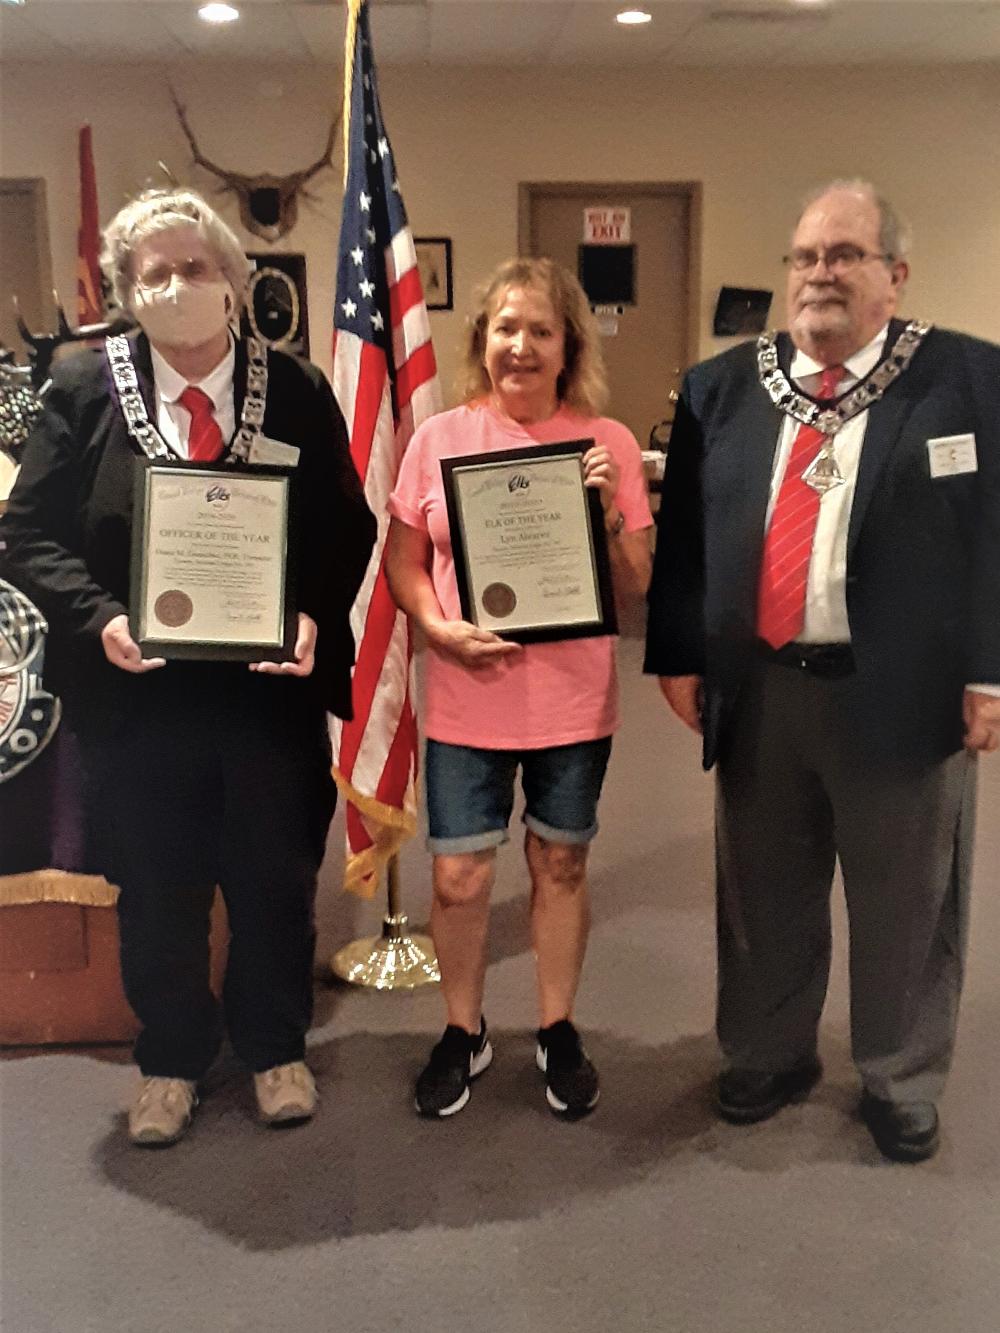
[204, 437]
[784, 574]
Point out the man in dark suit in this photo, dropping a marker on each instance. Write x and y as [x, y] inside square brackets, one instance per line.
[825, 608]
[199, 772]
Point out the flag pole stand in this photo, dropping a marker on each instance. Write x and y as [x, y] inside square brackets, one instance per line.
[394, 960]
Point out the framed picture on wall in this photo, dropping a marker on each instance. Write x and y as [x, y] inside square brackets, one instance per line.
[277, 311]
[434, 263]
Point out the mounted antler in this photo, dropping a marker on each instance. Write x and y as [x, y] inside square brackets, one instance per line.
[269, 205]
[22, 387]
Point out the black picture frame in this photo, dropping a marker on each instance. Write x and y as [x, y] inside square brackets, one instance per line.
[741, 311]
[242, 650]
[277, 306]
[434, 265]
[523, 458]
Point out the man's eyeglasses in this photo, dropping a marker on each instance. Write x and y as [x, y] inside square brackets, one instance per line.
[157, 277]
[838, 259]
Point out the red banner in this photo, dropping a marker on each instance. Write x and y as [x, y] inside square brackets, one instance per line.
[89, 304]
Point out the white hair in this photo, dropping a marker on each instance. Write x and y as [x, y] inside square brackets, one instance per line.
[893, 233]
[159, 210]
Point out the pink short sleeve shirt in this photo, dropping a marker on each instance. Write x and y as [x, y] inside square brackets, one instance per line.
[549, 693]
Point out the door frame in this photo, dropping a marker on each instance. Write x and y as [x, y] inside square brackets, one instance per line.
[33, 187]
[528, 191]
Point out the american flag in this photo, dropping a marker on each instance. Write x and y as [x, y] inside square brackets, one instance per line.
[385, 380]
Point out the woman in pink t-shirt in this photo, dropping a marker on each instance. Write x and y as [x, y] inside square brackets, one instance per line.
[533, 375]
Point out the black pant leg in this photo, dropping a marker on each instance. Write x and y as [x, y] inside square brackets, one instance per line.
[155, 802]
[279, 801]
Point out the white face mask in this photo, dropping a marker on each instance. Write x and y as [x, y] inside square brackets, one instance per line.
[184, 314]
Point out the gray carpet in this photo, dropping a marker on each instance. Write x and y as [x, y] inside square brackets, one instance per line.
[649, 1215]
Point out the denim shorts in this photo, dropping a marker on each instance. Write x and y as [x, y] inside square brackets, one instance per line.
[470, 793]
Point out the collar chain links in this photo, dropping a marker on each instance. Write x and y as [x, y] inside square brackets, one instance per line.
[145, 434]
[830, 420]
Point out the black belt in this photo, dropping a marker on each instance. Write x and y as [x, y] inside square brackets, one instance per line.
[831, 660]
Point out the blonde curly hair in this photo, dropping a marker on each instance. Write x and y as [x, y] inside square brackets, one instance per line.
[582, 384]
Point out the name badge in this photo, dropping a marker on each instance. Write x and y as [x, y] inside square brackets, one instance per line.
[952, 455]
[274, 452]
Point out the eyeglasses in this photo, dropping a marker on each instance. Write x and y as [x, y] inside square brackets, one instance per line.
[838, 259]
[157, 277]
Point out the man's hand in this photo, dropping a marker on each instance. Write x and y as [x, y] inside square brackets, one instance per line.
[122, 651]
[468, 645]
[305, 653]
[981, 713]
[684, 694]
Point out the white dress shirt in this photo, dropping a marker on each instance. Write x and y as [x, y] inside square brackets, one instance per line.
[174, 421]
[826, 589]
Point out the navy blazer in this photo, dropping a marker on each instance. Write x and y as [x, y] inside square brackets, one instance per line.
[68, 523]
[923, 560]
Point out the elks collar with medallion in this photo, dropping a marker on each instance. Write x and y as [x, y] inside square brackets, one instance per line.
[830, 419]
[146, 435]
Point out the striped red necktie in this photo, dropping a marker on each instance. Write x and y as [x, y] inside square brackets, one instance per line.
[784, 574]
[204, 437]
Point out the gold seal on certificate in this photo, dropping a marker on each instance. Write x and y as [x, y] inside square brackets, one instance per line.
[211, 569]
[531, 555]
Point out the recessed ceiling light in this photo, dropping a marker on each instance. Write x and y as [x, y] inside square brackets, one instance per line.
[217, 13]
[633, 17]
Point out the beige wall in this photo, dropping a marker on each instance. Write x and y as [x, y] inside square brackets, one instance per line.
[464, 139]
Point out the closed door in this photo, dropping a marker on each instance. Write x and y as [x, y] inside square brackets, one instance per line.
[647, 347]
[25, 271]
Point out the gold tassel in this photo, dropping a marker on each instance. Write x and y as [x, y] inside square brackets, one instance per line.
[388, 826]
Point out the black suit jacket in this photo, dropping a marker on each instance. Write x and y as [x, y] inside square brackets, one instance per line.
[69, 520]
[923, 564]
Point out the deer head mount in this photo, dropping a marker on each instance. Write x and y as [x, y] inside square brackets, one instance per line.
[269, 205]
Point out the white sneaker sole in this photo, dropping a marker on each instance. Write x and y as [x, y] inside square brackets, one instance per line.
[155, 1138]
[479, 1063]
[559, 1106]
[151, 1137]
[288, 1115]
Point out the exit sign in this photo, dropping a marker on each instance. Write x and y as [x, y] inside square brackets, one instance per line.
[607, 226]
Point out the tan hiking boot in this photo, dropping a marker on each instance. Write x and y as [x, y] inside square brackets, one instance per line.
[161, 1111]
[286, 1093]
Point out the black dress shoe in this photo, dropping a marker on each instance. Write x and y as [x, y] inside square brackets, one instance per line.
[745, 1096]
[903, 1131]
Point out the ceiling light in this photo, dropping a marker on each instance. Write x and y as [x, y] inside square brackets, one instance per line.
[11, 2]
[633, 17]
[216, 13]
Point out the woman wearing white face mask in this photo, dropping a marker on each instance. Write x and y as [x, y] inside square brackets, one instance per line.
[199, 773]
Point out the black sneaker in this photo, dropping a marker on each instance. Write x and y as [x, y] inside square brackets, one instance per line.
[571, 1087]
[444, 1086]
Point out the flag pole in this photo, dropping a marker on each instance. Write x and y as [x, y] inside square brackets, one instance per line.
[394, 960]
[385, 382]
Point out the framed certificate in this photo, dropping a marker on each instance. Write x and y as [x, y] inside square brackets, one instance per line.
[528, 538]
[212, 562]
